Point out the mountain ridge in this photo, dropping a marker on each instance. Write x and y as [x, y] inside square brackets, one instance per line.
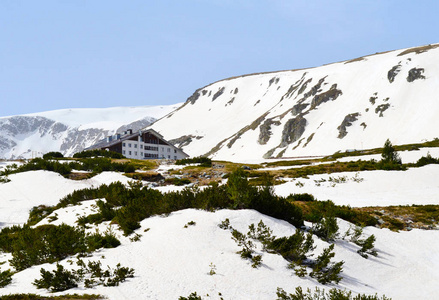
[317, 111]
[70, 130]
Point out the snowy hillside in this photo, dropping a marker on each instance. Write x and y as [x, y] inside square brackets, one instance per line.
[70, 130]
[355, 104]
[173, 260]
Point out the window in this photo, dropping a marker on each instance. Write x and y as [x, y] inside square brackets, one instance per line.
[135, 145]
[129, 152]
[123, 152]
[175, 150]
[175, 157]
[163, 149]
[169, 149]
[129, 145]
[169, 156]
[135, 153]
[123, 144]
[141, 146]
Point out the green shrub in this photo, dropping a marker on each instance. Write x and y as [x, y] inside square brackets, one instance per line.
[192, 296]
[53, 154]
[203, 161]
[324, 270]
[49, 243]
[318, 294]
[326, 228]
[294, 248]
[426, 160]
[98, 153]
[56, 281]
[5, 278]
[300, 197]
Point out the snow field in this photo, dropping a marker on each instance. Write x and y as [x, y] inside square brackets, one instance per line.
[172, 261]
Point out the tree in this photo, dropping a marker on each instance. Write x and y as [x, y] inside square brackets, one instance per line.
[389, 154]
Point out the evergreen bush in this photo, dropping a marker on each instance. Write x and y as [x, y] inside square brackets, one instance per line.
[56, 281]
[5, 278]
[53, 154]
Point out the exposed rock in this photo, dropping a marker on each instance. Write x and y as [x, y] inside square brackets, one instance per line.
[184, 140]
[332, 94]
[303, 87]
[257, 102]
[269, 153]
[219, 93]
[348, 120]
[381, 108]
[281, 154]
[293, 130]
[204, 92]
[364, 125]
[230, 102]
[298, 108]
[252, 126]
[415, 74]
[309, 139]
[393, 72]
[265, 131]
[373, 99]
[315, 89]
[236, 91]
[192, 99]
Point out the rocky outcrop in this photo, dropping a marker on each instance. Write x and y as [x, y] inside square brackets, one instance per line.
[348, 120]
[293, 130]
[393, 72]
[415, 74]
[219, 93]
[381, 108]
[332, 94]
[184, 140]
[255, 124]
[265, 131]
[298, 108]
[194, 97]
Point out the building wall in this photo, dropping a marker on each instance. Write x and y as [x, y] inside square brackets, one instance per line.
[155, 149]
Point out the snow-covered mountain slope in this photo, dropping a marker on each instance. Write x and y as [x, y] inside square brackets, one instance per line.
[171, 260]
[71, 130]
[355, 104]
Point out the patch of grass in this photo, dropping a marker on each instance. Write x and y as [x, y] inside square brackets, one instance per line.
[404, 217]
[418, 50]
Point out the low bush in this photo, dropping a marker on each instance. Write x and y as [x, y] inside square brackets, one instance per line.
[426, 160]
[49, 243]
[58, 280]
[98, 153]
[5, 278]
[91, 274]
[203, 161]
[51, 155]
[318, 294]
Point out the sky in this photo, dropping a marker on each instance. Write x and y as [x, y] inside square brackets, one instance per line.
[81, 54]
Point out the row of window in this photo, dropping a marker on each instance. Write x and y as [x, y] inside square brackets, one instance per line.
[146, 155]
[152, 148]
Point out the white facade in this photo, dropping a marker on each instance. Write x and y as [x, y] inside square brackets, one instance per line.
[137, 149]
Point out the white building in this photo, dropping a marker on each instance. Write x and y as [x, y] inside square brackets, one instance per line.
[145, 144]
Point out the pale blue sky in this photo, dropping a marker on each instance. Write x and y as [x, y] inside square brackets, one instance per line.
[77, 53]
